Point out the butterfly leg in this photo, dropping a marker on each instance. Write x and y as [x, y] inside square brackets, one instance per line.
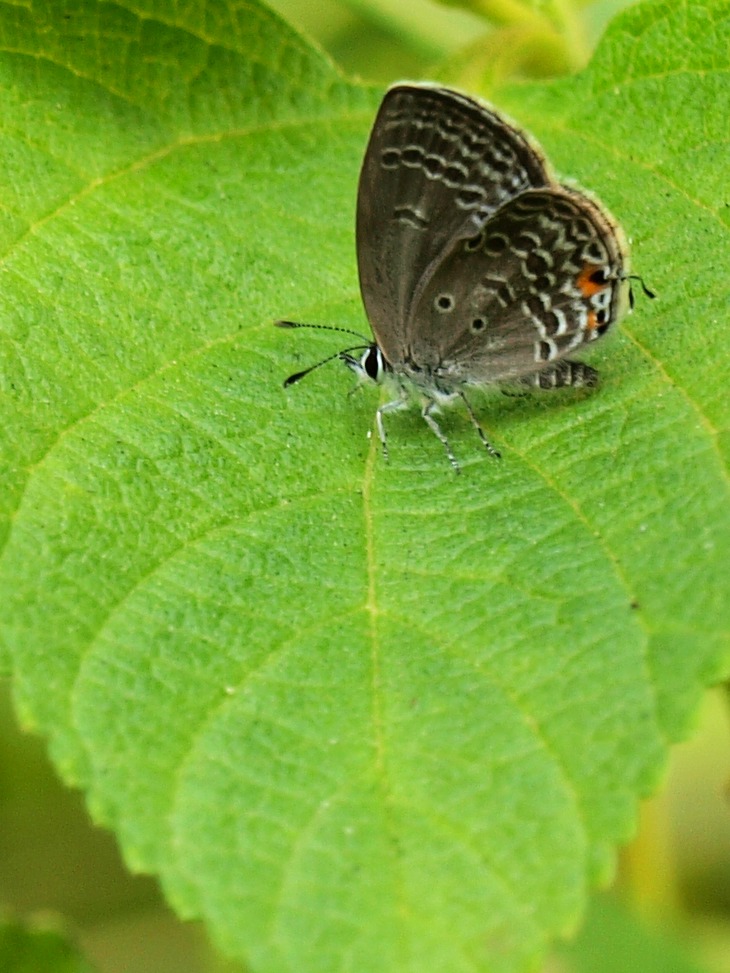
[563, 374]
[395, 406]
[435, 428]
[475, 422]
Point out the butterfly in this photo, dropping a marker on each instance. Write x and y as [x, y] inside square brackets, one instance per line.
[477, 267]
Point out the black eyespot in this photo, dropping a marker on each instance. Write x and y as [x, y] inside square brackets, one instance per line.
[478, 324]
[455, 174]
[581, 229]
[594, 253]
[468, 197]
[474, 243]
[412, 156]
[598, 277]
[563, 208]
[601, 315]
[444, 302]
[496, 244]
[433, 165]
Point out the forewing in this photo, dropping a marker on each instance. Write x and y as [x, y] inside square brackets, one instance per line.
[437, 165]
[546, 274]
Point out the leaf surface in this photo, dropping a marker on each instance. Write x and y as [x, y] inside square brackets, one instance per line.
[356, 716]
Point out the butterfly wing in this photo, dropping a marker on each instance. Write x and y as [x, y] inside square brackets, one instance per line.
[437, 165]
[544, 275]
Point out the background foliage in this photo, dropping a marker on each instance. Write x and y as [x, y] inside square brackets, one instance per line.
[352, 715]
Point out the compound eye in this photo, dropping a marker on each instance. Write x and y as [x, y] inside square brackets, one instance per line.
[371, 363]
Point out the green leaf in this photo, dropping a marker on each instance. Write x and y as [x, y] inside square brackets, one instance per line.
[28, 948]
[613, 941]
[356, 716]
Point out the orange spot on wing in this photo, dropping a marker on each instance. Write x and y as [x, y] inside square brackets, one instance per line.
[587, 286]
[591, 322]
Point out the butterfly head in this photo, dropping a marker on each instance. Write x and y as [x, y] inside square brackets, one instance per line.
[370, 366]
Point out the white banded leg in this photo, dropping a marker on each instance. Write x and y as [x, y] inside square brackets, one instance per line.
[435, 428]
[475, 422]
[395, 406]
